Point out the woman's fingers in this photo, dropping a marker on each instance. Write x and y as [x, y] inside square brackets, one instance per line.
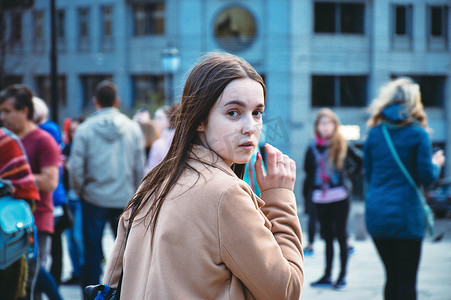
[258, 166]
[281, 171]
[272, 156]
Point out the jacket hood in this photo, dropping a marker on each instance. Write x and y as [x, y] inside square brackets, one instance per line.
[395, 113]
[110, 124]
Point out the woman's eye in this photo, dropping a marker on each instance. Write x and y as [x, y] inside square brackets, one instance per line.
[233, 113]
[258, 113]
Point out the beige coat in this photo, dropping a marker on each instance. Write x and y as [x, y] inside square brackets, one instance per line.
[214, 239]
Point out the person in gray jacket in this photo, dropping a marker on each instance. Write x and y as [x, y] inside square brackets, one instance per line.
[106, 167]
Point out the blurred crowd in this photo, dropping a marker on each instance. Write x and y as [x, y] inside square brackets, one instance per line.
[85, 175]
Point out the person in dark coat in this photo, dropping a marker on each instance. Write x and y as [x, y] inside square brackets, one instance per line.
[394, 214]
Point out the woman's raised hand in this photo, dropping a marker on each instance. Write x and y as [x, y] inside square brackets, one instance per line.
[438, 158]
[281, 171]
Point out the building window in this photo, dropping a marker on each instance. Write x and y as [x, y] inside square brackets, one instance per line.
[148, 19]
[38, 32]
[106, 17]
[333, 17]
[323, 91]
[432, 88]
[44, 89]
[107, 21]
[235, 29]
[402, 26]
[88, 84]
[339, 91]
[38, 19]
[61, 29]
[437, 18]
[403, 20]
[83, 29]
[148, 89]
[16, 28]
[9, 80]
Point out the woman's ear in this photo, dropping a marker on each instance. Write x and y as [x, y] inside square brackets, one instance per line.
[201, 127]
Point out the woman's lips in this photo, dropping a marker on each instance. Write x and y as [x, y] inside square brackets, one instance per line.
[247, 146]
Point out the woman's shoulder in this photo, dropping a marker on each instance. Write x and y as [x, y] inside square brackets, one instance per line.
[223, 180]
[216, 179]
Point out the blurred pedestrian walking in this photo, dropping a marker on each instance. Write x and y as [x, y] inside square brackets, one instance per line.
[199, 232]
[106, 166]
[75, 233]
[330, 165]
[394, 213]
[48, 282]
[165, 122]
[17, 109]
[151, 134]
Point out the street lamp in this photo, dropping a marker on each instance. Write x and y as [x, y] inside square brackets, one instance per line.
[170, 59]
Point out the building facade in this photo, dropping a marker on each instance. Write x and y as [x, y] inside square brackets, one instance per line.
[311, 54]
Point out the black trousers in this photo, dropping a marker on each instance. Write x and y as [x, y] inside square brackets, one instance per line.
[401, 259]
[333, 218]
[312, 222]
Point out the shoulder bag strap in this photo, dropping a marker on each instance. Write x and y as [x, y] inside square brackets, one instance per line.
[396, 157]
[405, 172]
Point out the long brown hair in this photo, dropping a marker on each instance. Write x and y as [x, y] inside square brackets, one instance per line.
[203, 87]
[338, 147]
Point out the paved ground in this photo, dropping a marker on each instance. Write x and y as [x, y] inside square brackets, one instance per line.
[365, 273]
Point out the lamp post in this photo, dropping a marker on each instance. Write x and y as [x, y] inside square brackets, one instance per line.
[170, 59]
[53, 63]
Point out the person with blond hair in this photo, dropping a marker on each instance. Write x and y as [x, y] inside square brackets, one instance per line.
[394, 212]
[329, 165]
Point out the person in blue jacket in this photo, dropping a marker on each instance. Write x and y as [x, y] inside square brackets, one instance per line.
[394, 214]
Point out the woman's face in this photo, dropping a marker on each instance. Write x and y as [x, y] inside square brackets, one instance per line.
[234, 123]
[161, 120]
[326, 127]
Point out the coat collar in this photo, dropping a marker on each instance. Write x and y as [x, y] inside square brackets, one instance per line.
[208, 157]
[201, 154]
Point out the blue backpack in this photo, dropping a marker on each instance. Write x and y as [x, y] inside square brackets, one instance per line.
[17, 229]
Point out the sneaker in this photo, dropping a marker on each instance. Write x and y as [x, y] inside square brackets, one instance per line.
[351, 250]
[308, 251]
[324, 282]
[340, 284]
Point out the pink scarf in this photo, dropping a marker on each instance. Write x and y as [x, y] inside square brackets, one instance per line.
[322, 161]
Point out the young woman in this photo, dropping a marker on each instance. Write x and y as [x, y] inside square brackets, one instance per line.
[394, 214]
[198, 231]
[329, 165]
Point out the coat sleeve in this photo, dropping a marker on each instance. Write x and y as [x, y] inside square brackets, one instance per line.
[427, 171]
[77, 163]
[113, 268]
[269, 262]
